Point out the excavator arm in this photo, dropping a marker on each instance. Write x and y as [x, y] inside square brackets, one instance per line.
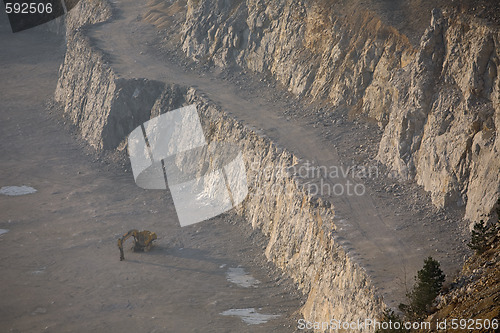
[131, 233]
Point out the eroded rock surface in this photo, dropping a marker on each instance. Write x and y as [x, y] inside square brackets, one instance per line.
[437, 101]
[104, 107]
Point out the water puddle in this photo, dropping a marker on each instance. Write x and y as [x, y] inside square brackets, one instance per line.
[237, 275]
[16, 190]
[39, 271]
[3, 231]
[249, 316]
[39, 311]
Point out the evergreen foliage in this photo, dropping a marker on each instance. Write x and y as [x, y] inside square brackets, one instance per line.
[428, 284]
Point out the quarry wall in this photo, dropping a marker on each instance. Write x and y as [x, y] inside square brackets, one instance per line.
[437, 102]
[105, 108]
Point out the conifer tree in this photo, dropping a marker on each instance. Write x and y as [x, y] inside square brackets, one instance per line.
[428, 284]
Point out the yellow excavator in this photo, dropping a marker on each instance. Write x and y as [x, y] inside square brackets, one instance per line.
[143, 241]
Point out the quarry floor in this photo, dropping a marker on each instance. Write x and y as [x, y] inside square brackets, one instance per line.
[59, 262]
[388, 230]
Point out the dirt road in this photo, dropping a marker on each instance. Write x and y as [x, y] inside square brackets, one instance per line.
[59, 263]
[378, 228]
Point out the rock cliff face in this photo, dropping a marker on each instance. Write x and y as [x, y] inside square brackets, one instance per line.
[443, 131]
[105, 108]
[437, 102]
[299, 227]
[87, 84]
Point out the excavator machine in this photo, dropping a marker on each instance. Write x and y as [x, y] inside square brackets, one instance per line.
[143, 241]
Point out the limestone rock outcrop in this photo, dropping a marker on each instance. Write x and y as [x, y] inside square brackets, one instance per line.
[105, 108]
[442, 129]
[437, 102]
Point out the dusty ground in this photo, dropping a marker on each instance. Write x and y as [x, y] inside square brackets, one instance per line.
[59, 263]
